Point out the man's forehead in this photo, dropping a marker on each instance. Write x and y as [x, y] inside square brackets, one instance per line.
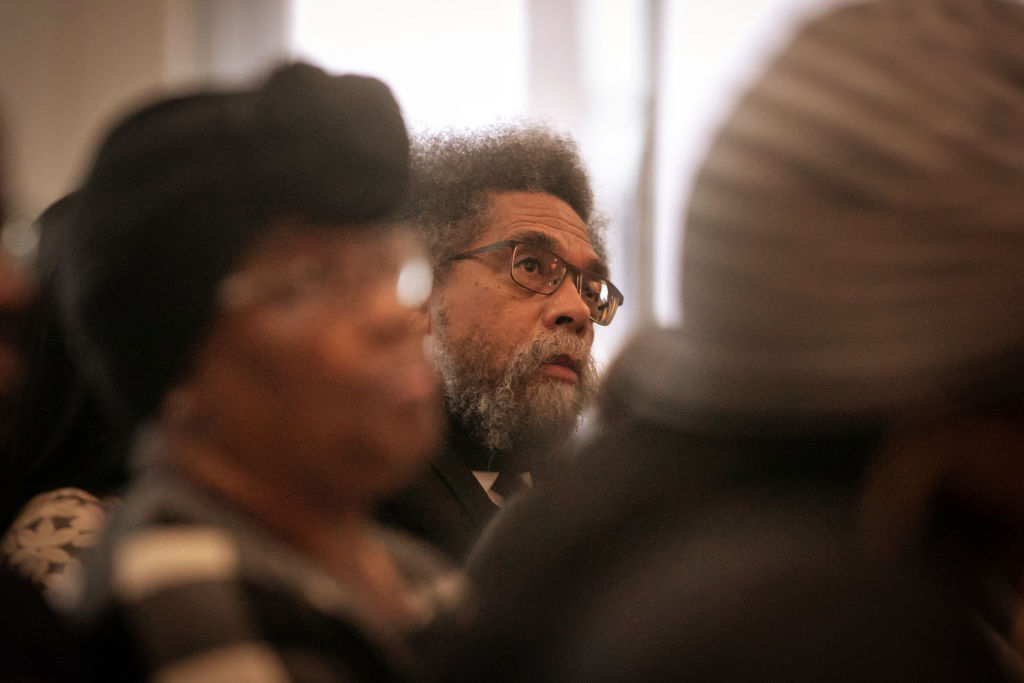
[543, 219]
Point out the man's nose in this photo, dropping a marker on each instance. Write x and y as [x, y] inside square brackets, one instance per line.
[566, 309]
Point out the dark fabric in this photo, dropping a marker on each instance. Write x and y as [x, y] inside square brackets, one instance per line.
[181, 582]
[446, 505]
[510, 479]
[740, 598]
[35, 643]
[671, 557]
[180, 188]
[61, 435]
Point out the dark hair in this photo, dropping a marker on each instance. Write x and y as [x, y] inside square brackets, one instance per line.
[454, 175]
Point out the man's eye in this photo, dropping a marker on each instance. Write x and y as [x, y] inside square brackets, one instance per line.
[530, 265]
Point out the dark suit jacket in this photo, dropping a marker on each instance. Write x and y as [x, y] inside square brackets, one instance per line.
[446, 505]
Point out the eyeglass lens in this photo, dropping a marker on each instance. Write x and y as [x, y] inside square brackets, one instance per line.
[542, 271]
[340, 275]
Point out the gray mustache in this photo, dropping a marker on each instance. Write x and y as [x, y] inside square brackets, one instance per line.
[551, 345]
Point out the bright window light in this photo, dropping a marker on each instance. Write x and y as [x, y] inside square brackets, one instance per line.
[450, 63]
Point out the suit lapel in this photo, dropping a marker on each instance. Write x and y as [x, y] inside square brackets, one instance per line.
[456, 475]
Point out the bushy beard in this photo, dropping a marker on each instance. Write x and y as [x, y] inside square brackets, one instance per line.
[518, 407]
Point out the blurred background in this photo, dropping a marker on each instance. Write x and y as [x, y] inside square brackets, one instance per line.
[638, 83]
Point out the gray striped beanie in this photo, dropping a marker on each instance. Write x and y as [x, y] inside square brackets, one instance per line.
[854, 244]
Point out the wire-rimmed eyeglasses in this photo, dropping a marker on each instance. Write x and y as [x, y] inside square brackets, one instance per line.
[540, 270]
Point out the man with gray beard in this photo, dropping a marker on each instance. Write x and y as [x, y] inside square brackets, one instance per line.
[521, 277]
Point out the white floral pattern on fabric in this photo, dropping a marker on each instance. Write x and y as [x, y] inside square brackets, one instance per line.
[47, 539]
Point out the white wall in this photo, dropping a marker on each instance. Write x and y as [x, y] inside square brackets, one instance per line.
[67, 67]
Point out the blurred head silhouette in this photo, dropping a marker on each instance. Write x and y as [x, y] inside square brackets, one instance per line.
[235, 277]
[853, 243]
[17, 294]
[61, 436]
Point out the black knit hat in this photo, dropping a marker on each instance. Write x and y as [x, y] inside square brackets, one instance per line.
[182, 187]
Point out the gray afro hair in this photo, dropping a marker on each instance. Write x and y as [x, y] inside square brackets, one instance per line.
[455, 174]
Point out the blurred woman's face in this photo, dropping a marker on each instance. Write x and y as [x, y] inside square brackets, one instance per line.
[315, 370]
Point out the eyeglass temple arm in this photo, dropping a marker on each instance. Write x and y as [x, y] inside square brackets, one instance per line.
[504, 244]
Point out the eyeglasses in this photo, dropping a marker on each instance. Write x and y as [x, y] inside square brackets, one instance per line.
[540, 270]
[336, 276]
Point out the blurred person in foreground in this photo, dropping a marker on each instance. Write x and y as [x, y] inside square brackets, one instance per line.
[17, 296]
[522, 278]
[239, 294]
[819, 477]
[35, 644]
[64, 462]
